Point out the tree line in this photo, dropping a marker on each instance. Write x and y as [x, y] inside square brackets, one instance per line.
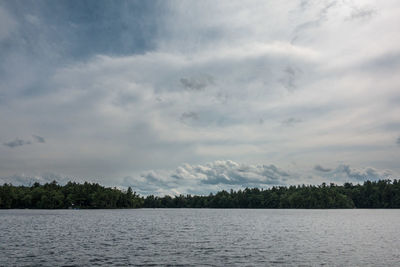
[72, 195]
[370, 194]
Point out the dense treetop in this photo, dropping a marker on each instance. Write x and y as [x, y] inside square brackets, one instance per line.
[371, 194]
[72, 195]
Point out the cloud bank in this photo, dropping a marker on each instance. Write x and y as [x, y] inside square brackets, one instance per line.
[112, 91]
[202, 179]
[228, 174]
[210, 177]
[16, 143]
[20, 142]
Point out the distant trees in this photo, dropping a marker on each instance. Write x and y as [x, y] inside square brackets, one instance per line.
[371, 194]
[72, 195]
[376, 194]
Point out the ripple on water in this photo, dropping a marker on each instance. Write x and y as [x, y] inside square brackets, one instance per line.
[199, 237]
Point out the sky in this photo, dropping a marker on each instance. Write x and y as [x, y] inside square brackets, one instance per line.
[192, 97]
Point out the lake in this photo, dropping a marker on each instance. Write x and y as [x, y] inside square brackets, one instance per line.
[206, 237]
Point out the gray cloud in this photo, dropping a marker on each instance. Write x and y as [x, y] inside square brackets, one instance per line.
[398, 140]
[20, 142]
[321, 169]
[208, 178]
[197, 83]
[291, 121]
[7, 24]
[17, 142]
[232, 173]
[215, 176]
[290, 74]
[187, 116]
[304, 4]
[226, 174]
[362, 13]
[42, 179]
[353, 174]
[114, 101]
[288, 78]
[385, 62]
[314, 23]
[39, 139]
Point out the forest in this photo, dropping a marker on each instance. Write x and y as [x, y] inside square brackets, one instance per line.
[370, 194]
[72, 195]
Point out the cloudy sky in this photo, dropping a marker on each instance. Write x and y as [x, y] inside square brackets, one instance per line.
[177, 97]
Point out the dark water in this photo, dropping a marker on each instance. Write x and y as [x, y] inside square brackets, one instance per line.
[200, 237]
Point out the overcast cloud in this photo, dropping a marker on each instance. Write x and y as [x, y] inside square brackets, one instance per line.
[237, 94]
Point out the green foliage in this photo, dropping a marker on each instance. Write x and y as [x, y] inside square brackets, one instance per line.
[72, 195]
[375, 194]
[379, 194]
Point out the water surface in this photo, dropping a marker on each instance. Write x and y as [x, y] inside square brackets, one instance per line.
[205, 237]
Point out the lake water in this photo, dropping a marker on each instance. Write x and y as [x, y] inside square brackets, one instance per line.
[208, 237]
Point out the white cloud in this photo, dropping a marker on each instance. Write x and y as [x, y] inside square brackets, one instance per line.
[206, 178]
[346, 173]
[202, 179]
[227, 174]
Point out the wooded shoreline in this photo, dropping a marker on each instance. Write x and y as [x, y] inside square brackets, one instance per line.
[370, 194]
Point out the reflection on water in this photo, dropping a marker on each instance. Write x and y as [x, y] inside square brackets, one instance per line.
[199, 237]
